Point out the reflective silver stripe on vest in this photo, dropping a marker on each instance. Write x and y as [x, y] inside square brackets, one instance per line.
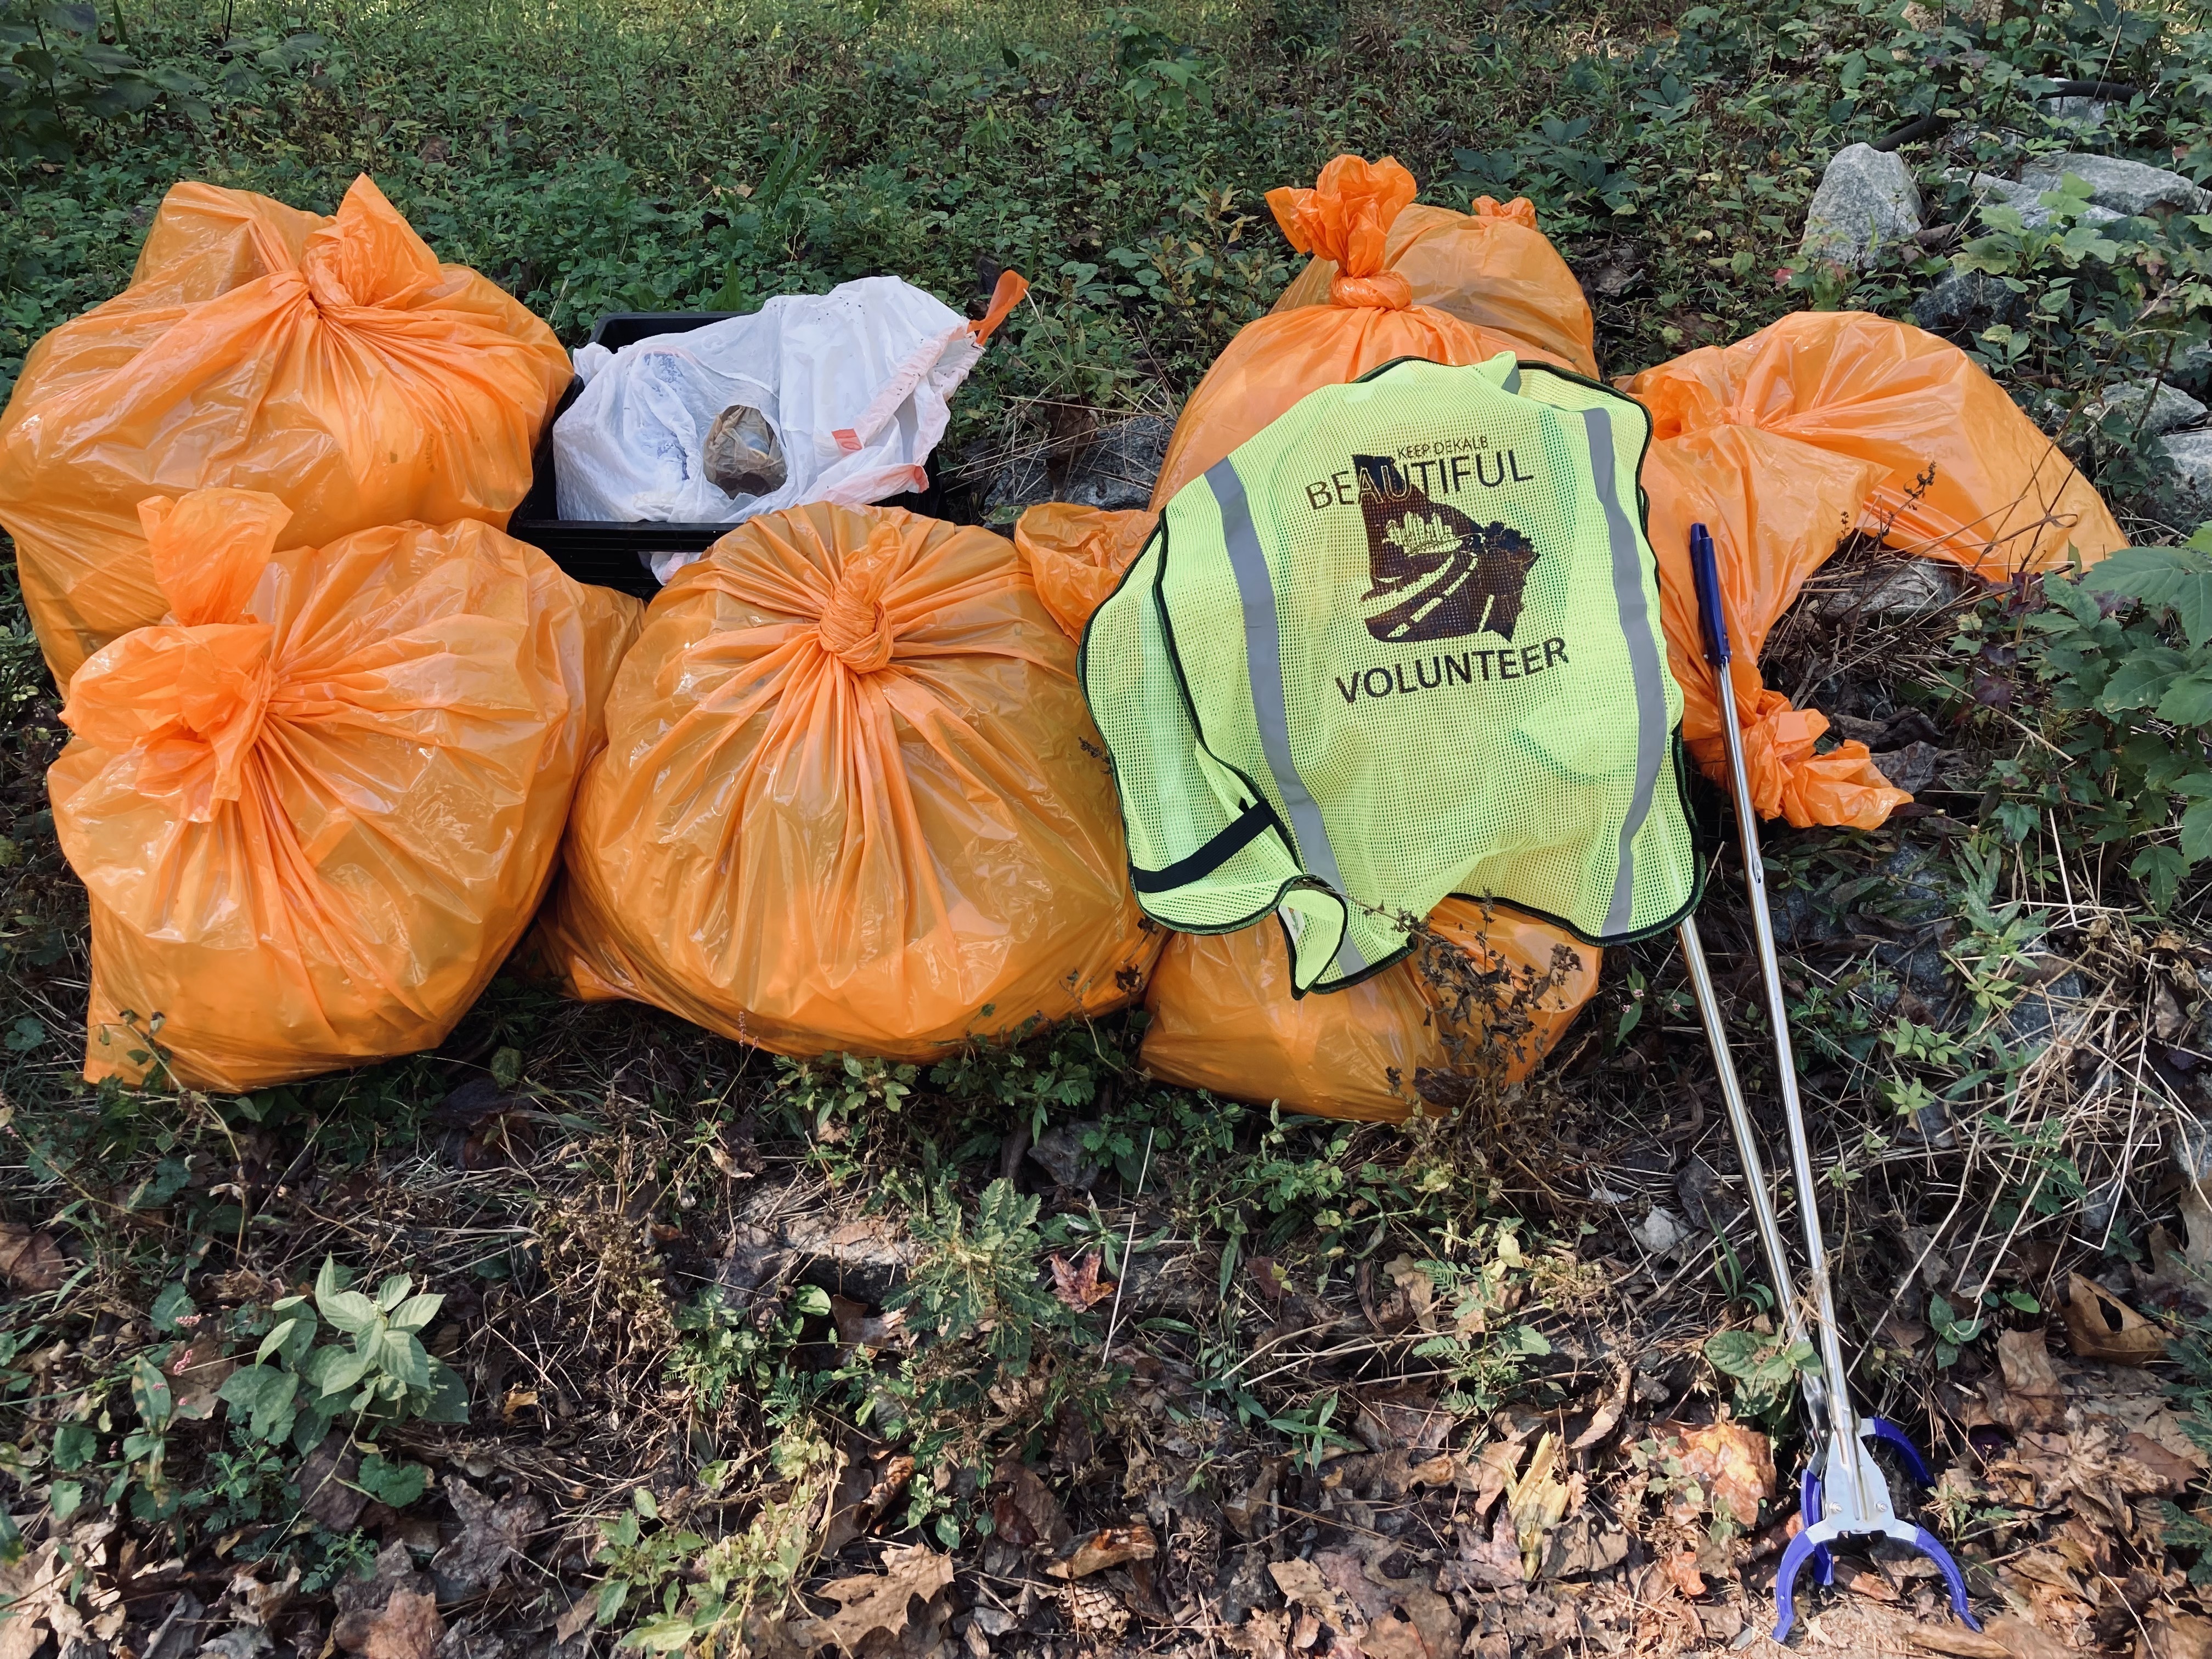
[1642, 664]
[1263, 658]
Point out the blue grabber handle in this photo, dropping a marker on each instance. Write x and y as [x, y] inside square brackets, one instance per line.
[1712, 620]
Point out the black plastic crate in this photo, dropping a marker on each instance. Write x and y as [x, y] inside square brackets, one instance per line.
[611, 552]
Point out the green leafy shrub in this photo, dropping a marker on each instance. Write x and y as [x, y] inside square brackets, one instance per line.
[299, 1385]
[2123, 656]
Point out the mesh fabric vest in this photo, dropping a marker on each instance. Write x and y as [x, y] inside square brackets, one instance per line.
[1402, 644]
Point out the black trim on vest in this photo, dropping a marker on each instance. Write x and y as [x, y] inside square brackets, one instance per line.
[1247, 827]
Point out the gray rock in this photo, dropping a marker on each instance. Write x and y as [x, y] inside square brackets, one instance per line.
[2125, 187]
[1904, 587]
[2190, 368]
[2024, 196]
[865, 1259]
[2089, 112]
[1660, 1233]
[1912, 587]
[752, 1270]
[1919, 766]
[1059, 1152]
[1113, 470]
[1965, 302]
[1866, 201]
[2155, 408]
[779, 1236]
[2188, 494]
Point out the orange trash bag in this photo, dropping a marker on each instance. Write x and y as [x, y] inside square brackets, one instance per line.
[1492, 269]
[317, 807]
[852, 799]
[1223, 1014]
[333, 362]
[1076, 555]
[1785, 443]
[1223, 1018]
[1372, 318]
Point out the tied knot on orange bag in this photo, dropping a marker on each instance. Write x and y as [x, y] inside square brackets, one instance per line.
[1520, 211]
[368, 255]
[190, 695]
[1346, 218]
[856, 626]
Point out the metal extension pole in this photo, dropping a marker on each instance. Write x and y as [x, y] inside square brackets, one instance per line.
[1791, 1311]
[1844, 1492]
[1842, 1422]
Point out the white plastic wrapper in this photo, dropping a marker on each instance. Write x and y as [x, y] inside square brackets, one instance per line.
[856, 383]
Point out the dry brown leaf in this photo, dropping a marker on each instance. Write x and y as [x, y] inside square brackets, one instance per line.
[2163, 1473]
[1493, 1470]
[2170, 1635]
[1109, 1546]
[1079, 1287]
[517, 1401]
[197, 1371]
[859, 1328]
[1537, 1500]
[1859, 1581]
[1026, 1514]
[491, 1535]
[1957, 1641]
[1433, 1616]
[575, 1619]
[1305, 1584]
[324, 1491]
[1395, 1417]
[1348, 1577]
[256, 1602]
[2024, 1361]
[408, 1628]
[2023, 1639]
[1242, 1511]
[1583, 1546]
[1608, 1413]
[1733, 1464]
[1683, 1573]
[35, 1585]
[1488, 1561]
[1414, 1283]
[879, 1600]
[1393, 1638]
[865, 1488]
[364, 1604]
[30, 1262]
[2099, 1326]
[1262, 1635]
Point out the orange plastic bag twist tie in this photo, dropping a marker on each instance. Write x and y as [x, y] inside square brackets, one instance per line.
[1346, 218]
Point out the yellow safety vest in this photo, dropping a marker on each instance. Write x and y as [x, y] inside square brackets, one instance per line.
[1402, 644]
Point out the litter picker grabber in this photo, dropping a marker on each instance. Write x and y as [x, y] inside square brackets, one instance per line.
[1843, 1492]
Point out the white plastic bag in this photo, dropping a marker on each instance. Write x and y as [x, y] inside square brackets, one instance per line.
[856, 384]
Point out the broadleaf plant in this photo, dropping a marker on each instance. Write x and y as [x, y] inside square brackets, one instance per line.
[300, 1385]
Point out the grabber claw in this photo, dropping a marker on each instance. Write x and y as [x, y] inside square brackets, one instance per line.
[1862, 1511]
[1808, 1485]
[1814, 1542]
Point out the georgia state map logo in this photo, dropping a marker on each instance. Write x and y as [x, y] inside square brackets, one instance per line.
[1436, 574]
